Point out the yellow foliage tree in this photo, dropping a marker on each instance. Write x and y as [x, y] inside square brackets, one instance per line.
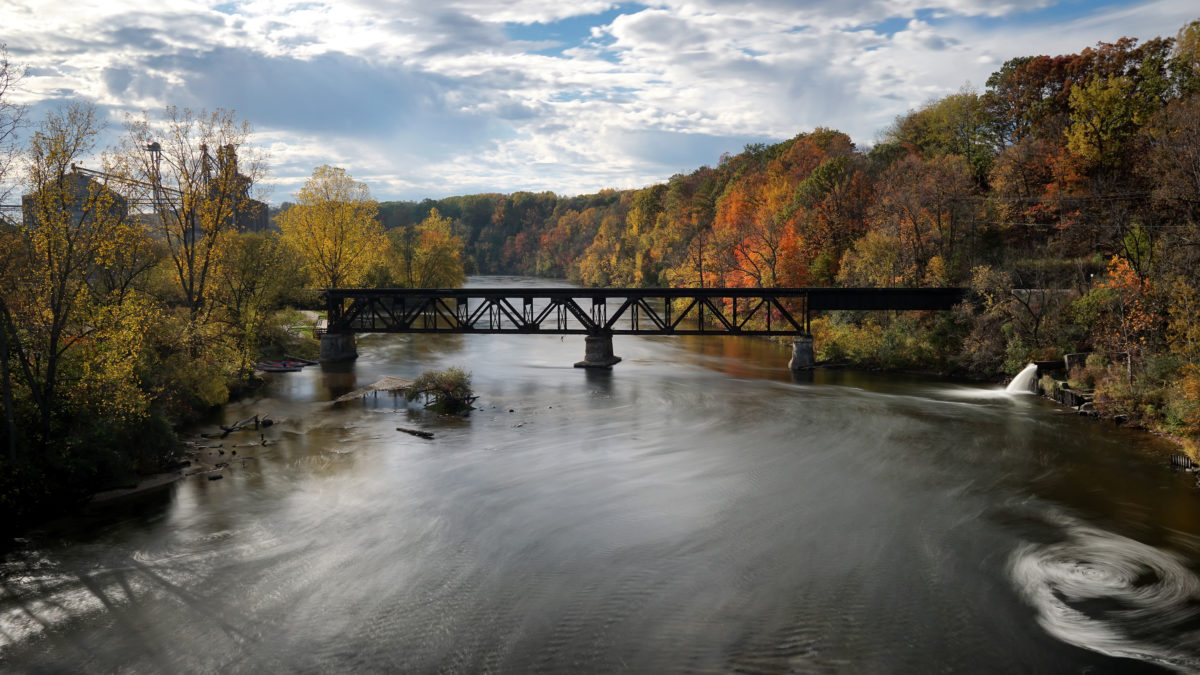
[432, 256]
[1105, 113]
[254, 272]
[187, 165]
[71, 337]
[333, 227]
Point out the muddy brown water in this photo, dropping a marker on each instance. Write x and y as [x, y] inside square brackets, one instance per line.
[697, 509]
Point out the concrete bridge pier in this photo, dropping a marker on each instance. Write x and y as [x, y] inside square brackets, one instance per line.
[598, 353]
[338, 347]
[802, 353]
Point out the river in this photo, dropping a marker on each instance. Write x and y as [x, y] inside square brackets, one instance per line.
[696, 509]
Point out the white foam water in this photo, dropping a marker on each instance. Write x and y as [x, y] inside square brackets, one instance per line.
[1101, 591]
[1024, 381]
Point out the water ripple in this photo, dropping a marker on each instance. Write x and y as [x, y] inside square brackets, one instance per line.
[1113, 595]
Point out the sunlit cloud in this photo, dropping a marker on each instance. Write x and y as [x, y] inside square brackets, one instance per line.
[435, 99]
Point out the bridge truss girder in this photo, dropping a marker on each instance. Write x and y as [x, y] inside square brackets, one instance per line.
[640, 311]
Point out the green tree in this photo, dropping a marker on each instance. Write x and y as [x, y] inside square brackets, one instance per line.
[957, 124]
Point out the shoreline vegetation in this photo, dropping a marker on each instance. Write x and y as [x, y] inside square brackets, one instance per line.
[143, 283]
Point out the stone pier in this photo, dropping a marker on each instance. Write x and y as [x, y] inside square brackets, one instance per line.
[802, 353]
[598, 352]
[338, 347]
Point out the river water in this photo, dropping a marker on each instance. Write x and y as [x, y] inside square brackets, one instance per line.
[694, 509]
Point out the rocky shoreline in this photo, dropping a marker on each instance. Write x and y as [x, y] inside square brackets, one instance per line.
[202, 457]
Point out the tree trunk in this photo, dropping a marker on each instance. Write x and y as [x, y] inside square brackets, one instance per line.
[8, 402]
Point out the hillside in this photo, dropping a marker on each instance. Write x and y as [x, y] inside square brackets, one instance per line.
[1066, 193]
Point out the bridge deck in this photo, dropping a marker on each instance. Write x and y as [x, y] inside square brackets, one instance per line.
[612, 311]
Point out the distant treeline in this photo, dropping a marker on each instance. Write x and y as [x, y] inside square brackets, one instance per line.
[1066, 194]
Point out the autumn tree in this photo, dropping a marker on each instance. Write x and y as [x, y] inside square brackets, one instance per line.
[1022, 311]
[957, 124]
[562, 245]
[187, 166]
[430, 255]
[1183, 318]
[11, 117]
[1030, 95]
[1170, 160]
[255, 271]
[602, 263]
[10, 120]
[1020, 178]
[1122, 310]
[749, 233]
[755, 221]
[925, 204]
[75, 341]
[828, 203]
[1105, 114]
[683, 236]
[875, 260]
[1185, 59]
[1170, 163]
[641, 222]
[333, 227]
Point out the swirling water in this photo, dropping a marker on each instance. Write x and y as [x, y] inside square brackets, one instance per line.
[696, 509]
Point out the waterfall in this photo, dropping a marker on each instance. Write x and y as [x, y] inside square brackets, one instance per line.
[1023, 383]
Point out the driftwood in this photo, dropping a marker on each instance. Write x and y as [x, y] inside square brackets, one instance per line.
[416, 432]
[242, 425]
[389, 384]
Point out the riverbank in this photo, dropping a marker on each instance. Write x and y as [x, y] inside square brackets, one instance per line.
[148, 456]
[1055, 384]
[696, 490]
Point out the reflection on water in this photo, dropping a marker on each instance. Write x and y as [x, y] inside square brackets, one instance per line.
[695, 509]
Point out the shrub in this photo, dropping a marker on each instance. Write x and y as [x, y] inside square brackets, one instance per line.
[1183, 402]
[1049, 385]
[446, 390]
[1017, 354]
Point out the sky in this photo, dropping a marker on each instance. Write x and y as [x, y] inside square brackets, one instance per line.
[444, 97]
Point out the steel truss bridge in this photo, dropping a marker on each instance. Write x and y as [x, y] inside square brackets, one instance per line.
[612, 311]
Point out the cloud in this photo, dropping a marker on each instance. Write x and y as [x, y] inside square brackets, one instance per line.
[430, 99]
[117, 80]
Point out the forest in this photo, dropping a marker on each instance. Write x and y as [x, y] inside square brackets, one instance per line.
[1065, 195]
[137, 294]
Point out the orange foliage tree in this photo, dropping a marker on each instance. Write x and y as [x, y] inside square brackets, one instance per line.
[1122, 310]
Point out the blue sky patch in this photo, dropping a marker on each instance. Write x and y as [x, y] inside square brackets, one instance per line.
[566, 33]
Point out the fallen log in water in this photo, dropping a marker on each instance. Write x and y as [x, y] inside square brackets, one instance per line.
[416, 432]
[242, 425]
